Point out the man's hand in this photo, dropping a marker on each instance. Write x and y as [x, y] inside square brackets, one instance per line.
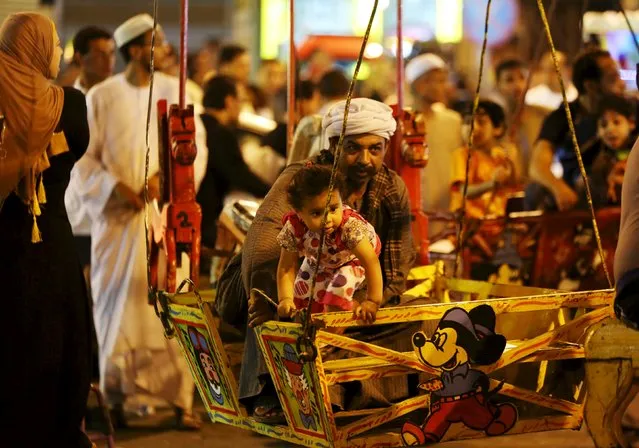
[565, 197]
[366, 311]
[124, 195]
[259, 311]
[286, 308]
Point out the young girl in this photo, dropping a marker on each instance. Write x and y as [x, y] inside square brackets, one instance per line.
[349, 256]
[616, 135]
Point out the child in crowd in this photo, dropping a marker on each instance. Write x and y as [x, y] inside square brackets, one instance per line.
[616, 136]
[349, 256]
[493, 172]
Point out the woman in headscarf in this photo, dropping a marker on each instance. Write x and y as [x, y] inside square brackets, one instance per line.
[45, 318]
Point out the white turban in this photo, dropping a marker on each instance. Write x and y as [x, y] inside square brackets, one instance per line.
[422, 64]
[132, 28]
[365, 116]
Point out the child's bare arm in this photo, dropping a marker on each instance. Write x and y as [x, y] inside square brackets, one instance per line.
[365, 252]
[476, 190]
[501, 176]
[286, 273]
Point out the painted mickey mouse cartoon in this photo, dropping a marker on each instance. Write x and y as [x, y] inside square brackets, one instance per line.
[461, 393]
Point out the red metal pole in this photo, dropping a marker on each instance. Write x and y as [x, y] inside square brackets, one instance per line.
[184, 29]
[290, 125]
[400, 58]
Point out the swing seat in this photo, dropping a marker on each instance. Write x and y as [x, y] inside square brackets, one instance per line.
[303, 388]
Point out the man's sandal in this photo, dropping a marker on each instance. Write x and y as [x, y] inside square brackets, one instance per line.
[187, 421]
[267, 410]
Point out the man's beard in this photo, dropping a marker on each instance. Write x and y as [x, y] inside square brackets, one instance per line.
[357, 174]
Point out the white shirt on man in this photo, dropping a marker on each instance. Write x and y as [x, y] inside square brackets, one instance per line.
[130, 336]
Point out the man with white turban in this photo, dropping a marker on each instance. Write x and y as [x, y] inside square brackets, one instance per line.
[378, 193]
[427, 75]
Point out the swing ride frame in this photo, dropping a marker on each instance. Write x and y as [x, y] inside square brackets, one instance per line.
[304, 387]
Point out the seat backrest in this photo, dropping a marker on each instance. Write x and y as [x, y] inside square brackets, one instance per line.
[201, 344]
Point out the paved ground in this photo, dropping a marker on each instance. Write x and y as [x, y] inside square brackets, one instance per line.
[155, 432]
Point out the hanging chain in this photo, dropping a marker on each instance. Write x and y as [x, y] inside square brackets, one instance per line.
[536, 59]
[461, 219]
[3, 149]
[575, 143]
[306, 342]
[151, 290]
[632, 31]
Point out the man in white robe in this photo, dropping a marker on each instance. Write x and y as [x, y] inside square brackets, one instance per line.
[427, 75]
[134, 355]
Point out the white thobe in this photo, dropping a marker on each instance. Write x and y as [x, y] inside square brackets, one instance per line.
[543, 96]
[78, 216]
[444, 136]
[134, 355]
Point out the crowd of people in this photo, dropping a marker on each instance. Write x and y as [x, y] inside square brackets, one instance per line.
[78, 252]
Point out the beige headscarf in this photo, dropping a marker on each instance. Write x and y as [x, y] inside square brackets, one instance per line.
[31, 105]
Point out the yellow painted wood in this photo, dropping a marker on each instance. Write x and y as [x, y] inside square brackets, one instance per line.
[584, 299]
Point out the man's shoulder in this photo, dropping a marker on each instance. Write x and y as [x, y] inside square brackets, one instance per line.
[310, 125]
[162, 79]
[557, 118]
[448, 115]
[397, 182]
[112, 82]
[109, 88]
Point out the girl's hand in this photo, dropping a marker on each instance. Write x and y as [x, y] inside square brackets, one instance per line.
[366, 311]
[501, 176]
[615, 178]
[286, 308]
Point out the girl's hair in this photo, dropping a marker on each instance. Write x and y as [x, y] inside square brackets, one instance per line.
[493, 111]
[311, 181]
[616, 103]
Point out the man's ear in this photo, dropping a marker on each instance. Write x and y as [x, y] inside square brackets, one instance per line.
[77, 58]
[227, 102]
[500, 131]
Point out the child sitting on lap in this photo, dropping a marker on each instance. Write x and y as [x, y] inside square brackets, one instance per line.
[349, 256]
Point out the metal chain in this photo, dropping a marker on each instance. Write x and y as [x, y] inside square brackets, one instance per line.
[460, 223]
[306, 342]
[575, 143]
[536, 59]
[632, 31]
[151, 291]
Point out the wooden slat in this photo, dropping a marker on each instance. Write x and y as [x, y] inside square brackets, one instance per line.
[530, 396]
[580, 299]
[370, 362]
[459, 432]
[360, 413]
[367, 374]
[364, 348]
[542, 341]
[380, 418]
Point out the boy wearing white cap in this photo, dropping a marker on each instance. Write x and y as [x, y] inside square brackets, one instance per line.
[427, 75]
[134, 355]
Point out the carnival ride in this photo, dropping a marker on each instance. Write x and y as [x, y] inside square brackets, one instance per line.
[544, 327]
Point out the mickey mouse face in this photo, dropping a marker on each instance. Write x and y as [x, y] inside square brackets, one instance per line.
[441, 350]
